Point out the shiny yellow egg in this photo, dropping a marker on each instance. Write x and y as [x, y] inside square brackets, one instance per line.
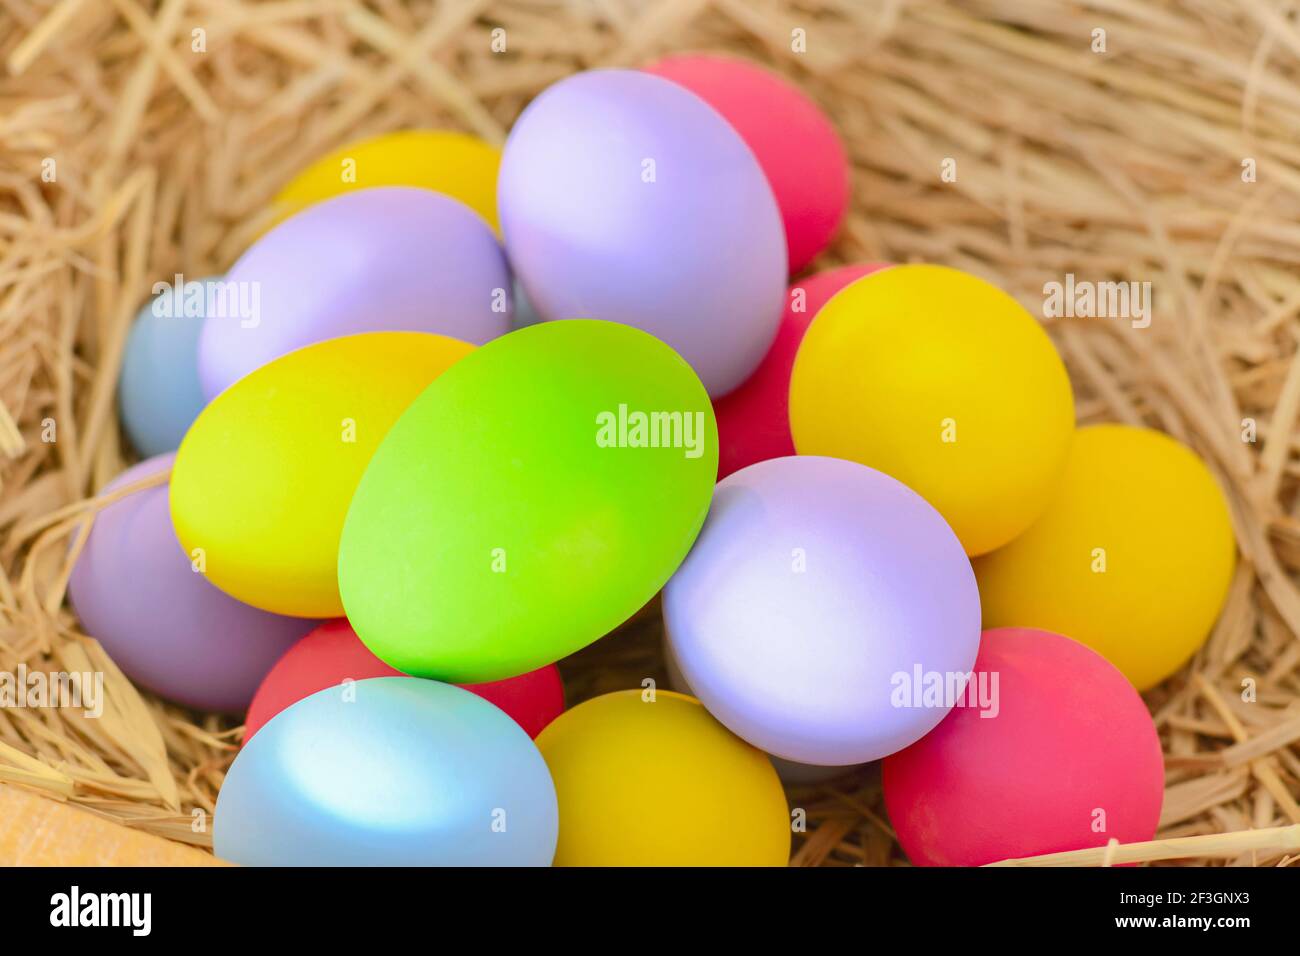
[457, 164]
[1133, 557]
[653, 780]
[263, 479]
[944, 382]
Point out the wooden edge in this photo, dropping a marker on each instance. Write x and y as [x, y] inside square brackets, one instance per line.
[38, 831]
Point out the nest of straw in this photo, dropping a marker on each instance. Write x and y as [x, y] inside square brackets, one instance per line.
[168, 126]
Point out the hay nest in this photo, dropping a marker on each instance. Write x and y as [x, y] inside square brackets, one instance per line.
[167, 126]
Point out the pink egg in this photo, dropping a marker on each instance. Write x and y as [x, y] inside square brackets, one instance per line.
[1053, 750]
[333, 653]
[791, 137]
[754, 420]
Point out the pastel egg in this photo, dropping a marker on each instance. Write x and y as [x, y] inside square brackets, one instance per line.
[1055, 752]
[819, 592]
[164, 624]
[625, 197]
[790, 772]
[945, 382]
[263, 479]
[332, 654]
[456, 164]
[389, 771]
[531, 500]
[793, 140]
[392, 259]
[1133, 557]
[159, 395]
[658, 782]
[754, 420]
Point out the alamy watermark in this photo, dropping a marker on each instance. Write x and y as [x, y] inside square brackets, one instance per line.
[635, 429]
[946, 689]
[1085, 299]
[25, 688]
[210, 298]
[133, 911]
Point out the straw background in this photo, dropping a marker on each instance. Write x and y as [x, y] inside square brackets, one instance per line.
[1125, 164]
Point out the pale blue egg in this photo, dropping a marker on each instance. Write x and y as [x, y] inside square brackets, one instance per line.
[159, 393]
[389, 771]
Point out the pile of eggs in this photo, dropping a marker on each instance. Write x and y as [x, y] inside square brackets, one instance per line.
[387, 489]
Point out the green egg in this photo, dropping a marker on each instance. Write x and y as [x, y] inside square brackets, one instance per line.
[530, 500]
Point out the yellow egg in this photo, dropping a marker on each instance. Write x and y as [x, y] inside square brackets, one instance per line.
[661, 783]
[461, 166]
[944, 382]
[263, 479]
[1133, 557]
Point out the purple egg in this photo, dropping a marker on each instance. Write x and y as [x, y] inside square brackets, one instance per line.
[391, 259]
[625, 197]
[827, 613]
[163, 623]
[792, 774]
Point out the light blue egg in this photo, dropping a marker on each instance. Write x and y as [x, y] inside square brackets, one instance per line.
[159, 393]
[389, 771]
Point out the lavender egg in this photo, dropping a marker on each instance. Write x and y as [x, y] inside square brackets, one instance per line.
[162, 622]
[625, 197]
[792, 774]
[817, 609]
[389, 259]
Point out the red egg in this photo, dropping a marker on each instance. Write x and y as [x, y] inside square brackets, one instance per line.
[754, 420]
[1068, 758]
[332, 653]
[792, 139]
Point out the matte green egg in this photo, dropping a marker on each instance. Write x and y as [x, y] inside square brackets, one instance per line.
[532, 498]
